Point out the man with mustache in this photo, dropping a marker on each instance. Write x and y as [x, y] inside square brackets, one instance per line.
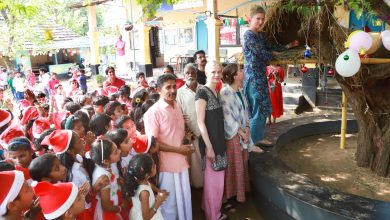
[200, 61]
[165, 121]
[186, 99]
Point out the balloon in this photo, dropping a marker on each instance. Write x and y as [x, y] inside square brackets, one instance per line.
[347, 43]
[304, 69]
[307, 54]
[348, 63]
[330, 72]
[360, 42]
[376, 42]
[386, 39]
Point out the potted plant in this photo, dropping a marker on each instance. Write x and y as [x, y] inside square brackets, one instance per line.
[99, 80]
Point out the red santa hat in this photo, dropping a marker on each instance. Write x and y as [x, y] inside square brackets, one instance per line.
[23, 104]
[141, 143]
[11, 184]
[58, 117]
[5, 117]
[111, 90]
[55, 199]
[40, 125]
[13, 131]
[29, 113]
[58, 140]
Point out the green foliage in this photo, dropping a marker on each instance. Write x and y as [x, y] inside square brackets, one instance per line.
[358, 6]
[304, 11]
[150, 7]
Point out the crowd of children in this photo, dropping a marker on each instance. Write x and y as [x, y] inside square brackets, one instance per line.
[67, 152]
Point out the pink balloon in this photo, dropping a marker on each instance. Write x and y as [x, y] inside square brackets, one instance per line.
[386, 39]
[361, 41]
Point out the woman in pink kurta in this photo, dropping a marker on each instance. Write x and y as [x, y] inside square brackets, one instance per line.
[30, 79]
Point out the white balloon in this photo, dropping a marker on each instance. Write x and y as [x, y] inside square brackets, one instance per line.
[386, 39]
[348, 63]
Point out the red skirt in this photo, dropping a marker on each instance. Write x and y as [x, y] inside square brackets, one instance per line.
[236, 174]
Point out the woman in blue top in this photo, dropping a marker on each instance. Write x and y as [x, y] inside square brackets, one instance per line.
[256, 55]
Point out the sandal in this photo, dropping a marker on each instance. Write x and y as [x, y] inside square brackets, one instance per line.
[227, 207]
[223, 216]
[264, 144]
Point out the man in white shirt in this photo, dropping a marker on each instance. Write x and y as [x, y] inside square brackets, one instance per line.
[44, 78]
[186, 99]
[19, 84]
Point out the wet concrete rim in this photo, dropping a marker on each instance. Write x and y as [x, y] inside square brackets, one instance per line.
[283, 194]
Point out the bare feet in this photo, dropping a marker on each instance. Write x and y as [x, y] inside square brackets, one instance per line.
[257, 149]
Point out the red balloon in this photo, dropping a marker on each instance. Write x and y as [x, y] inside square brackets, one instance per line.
[304, 69]
[330, 72]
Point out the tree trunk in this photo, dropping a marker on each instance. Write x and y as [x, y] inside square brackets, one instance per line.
[368, 92]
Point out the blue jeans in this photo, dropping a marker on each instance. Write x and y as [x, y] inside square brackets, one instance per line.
[19, 96]
[258, 119]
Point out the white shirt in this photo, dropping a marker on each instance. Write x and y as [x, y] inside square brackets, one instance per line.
[19, 84]
[44, 78]
[186, 99]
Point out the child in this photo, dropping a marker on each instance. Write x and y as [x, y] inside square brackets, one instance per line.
[99, 102]
[114, 110]
[104, 153]
[52, 83]
[5, 119]
[19, 84]
[16, 195]
[69, 147]
[47, 168]
[126, 123]
[121, 138]
[124, 96]
[76, 124]
[100, 124]
[83, 81]
[61, 200]
[21, 152]
[145, 204]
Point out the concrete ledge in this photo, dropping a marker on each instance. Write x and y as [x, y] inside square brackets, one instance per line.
[284, 194]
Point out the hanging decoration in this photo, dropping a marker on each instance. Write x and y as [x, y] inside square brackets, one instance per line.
[348, 63]
[304, 69]
[226, 22]
[233, 22]
[50, 53]
[241, 21]
[386, 39]
[330, 72]
[359, 41]
[376, 42]
[307, 53]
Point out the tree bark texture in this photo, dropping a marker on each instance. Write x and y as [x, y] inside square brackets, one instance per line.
[368, 92]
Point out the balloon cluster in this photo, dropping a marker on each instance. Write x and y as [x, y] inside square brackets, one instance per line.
[360, 42]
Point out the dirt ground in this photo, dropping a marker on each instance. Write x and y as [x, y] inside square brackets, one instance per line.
[324, 162]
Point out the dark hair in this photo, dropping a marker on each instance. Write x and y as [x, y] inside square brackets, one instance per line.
[125, 90]
[84, 117]
[90, 110]
[199, 52]
[67, 160]
[110, 68]
[19, 143]
[98, 124]
[45, 106]
[139, 167]
[72, 107]
[69, 122]
[154, 96]
[117, 136]
[41, 95]
[96, 150]
[139, 112]
[170, 68]
[41, 166]
[229, 72]
[121, 120]
[82, 71]
[38, 141]
[6, 165]
[42, 69]
[101, 100]
[256, 9]
[164, 78]
[142, 95]
[80, 99]
[139, 74]
[110, 107]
